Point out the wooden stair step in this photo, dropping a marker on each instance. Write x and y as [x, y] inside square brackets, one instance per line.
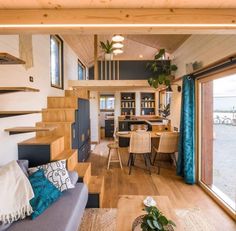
[81, 93]
[84, 171]
[55, 143]
[16, 113]
[96, 186]
[71, 156]
[4, 90]
[41, 140]
[19, 130]
[62, 129]
[62, 102]
[58, 115]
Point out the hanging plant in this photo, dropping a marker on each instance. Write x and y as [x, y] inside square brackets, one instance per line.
[107, 47]
[161, 70]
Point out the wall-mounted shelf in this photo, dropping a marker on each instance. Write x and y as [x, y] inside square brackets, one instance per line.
[16, 113]
[4, 90]
[148, 103]
[6, 58]
[127, 101]
[19, 130]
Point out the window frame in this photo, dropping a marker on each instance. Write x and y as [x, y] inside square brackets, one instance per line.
[60, 85]
[106, 110]
[198, 93]
[84, 70]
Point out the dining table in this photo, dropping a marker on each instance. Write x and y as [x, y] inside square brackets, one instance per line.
[127, 134]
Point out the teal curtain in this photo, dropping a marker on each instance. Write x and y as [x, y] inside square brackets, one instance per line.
[186, 149]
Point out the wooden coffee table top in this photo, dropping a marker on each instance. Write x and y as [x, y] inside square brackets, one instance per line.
[131, 206]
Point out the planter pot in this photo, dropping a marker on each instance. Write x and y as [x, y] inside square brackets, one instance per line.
[108, 57]
[136, 226]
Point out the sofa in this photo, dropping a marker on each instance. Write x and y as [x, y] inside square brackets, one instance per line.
[63, 215]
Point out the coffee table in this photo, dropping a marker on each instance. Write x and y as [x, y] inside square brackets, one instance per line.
[131, 206]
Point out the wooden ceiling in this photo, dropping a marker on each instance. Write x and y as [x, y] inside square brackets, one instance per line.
[16, 4]
[134, 46]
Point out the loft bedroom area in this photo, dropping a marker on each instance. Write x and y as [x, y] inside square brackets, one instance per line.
[117, 118]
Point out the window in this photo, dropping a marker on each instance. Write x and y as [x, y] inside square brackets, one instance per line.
[217, 136]
[81, 71]
[56, 61]
[107, 102]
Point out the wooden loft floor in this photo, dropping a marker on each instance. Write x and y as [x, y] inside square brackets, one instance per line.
[181, 195]
[108, 85]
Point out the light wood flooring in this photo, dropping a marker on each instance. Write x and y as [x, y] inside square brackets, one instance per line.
[181, 195]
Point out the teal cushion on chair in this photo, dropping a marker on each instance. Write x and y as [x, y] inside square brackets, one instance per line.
[45, 193]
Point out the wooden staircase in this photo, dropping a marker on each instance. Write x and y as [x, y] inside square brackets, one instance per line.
[60, 113]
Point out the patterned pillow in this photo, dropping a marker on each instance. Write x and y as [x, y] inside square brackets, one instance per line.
[45, 193]
[56, 173]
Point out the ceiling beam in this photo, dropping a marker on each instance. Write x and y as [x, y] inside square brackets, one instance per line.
[101, 21]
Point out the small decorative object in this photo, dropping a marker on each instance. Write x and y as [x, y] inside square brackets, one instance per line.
[154, 220]
[108, 49]
[161, 69]
[197, 65]
[149, 201]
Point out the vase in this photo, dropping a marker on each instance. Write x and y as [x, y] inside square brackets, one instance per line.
[108, 57]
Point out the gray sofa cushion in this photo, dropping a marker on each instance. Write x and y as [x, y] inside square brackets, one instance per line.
[4, 227]
[73, 177]
[64, 215]
[24, 165]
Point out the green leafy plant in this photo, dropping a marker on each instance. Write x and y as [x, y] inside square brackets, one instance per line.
[165, 111]
[154, 220]
[107, 47]
[161, 70]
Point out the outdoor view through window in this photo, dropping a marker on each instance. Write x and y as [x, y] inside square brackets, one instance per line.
[218, 129]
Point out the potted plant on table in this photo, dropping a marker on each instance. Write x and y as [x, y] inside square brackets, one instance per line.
[154, 220]
[108, 49]
[161, 70]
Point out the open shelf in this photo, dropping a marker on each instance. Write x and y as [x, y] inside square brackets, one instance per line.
[19, 130]
[6, 58]
[16, 113]
[4, 90]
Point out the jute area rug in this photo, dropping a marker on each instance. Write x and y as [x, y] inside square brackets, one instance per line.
[105, 220]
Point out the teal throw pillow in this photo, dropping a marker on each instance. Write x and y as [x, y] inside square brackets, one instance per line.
[45, 193]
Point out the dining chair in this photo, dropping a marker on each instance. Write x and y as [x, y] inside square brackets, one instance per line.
[114, 146]
[140, 143]
[168, 145]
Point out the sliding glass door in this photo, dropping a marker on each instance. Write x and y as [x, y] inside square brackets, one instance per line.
[217, 136]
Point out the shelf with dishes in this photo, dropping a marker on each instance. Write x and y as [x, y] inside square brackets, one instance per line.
[148, 103]
[127, 103]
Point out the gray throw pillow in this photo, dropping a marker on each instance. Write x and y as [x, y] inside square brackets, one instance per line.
[73, 177]
[24, 165]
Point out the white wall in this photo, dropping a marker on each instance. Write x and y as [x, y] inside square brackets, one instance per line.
[16, 75]
[204, 48]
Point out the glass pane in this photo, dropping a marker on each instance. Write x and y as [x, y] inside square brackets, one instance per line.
[107, 102]
[55, 61]
[218, 137]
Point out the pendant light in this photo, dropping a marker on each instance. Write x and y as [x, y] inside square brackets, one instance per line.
[117, 38]
[118, 51]
[118, 45]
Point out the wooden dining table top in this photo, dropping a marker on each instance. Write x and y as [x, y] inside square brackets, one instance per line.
[127, 134]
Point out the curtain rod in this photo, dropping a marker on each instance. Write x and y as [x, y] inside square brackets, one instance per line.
[219, 64]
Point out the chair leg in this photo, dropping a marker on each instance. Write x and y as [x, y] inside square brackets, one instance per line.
[158, 170]
[155, 156]
[174, 158]
[148, 163]
[109, 159]
[118, 154]
[129, 159]
[133, 158]
[130, 162]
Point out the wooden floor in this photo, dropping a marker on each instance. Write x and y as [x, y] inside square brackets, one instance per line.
[181, 195]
